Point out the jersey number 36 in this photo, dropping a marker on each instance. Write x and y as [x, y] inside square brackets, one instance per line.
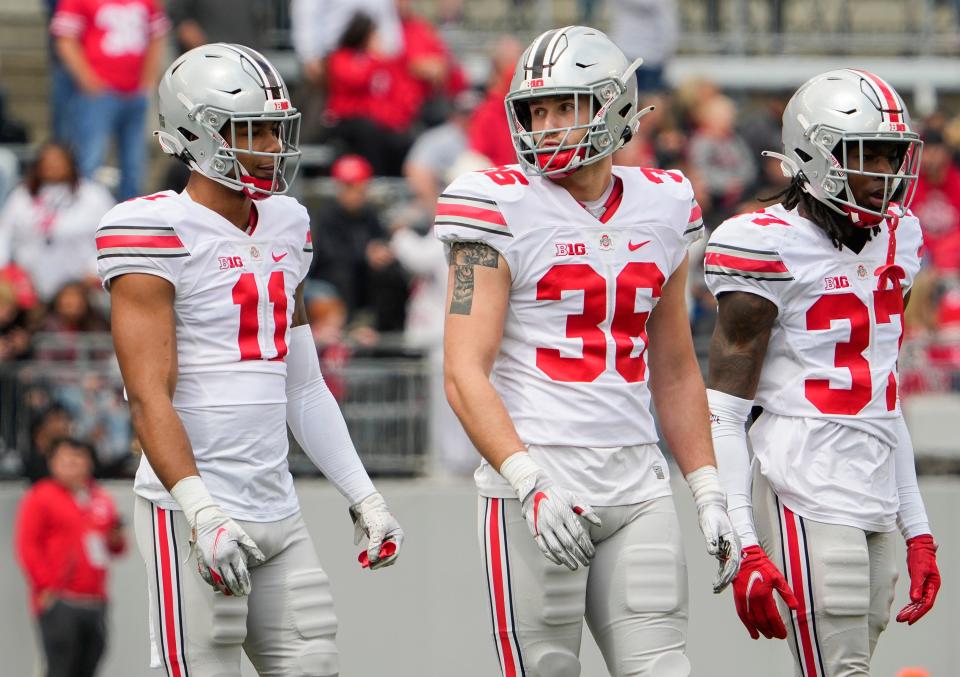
[626, 326]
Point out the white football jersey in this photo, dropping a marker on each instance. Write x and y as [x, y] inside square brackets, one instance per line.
[832, 355]
[572, 367]
[234, 302]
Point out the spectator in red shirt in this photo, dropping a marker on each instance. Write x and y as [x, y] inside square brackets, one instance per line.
[489, 133]
[434, 74]
[67, 531]
[937, 202]
[370, 102]
[112, 49]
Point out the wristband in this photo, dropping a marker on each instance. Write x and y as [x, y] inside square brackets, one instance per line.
[192, 495]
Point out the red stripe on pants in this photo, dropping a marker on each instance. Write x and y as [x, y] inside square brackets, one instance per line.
[796, 578]
[499, 601]
[167, 601]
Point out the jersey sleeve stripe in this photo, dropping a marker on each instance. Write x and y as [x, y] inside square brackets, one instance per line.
[141, 253]
[450, 198]
[763, 254]
[469, 223]
[473, 213]
[140, 241]
[728, 262]
[732, 266]
[140, 231]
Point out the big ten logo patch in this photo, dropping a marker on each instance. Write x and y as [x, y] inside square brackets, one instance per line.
[570, 248]
[227, 262]
[835, 282]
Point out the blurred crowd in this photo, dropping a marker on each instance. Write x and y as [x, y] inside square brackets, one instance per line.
[389, 100]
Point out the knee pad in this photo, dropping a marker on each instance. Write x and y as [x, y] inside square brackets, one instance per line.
[553, 663]
[315, 620]
[653, 579]
[319, 664]
[846, 582]
[670, 664]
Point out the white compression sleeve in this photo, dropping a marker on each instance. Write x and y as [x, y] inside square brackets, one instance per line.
[912, 516]
[728, 417]
[317, 423]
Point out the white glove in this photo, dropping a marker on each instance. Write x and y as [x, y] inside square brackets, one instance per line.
[222, 547]
[552, 513]
[722, 540]
[372, 519]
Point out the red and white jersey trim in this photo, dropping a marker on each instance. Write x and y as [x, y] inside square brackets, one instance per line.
[471, 212]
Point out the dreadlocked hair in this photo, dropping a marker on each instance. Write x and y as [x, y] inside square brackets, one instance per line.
[834, 225]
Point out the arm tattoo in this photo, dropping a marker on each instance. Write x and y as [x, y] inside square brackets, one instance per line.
[739, 343]
[464, 256]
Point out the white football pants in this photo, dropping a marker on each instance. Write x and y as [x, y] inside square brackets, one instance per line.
[633, 595]
[843, 577]
[286, 626]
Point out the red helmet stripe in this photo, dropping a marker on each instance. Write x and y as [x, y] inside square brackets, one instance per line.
[885, 92]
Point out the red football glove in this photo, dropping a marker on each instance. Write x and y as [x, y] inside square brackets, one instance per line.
[753, 589]
[924, 578]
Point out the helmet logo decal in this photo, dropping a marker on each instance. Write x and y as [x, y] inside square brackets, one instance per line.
[538, 50]
[556, 42]
[884, 94]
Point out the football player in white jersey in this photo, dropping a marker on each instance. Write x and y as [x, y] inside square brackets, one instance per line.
[811, 294]
[566, 311]
[217, 359]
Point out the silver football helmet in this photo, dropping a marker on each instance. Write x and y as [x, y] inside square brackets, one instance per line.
[212, 92]
[584, 63]
[831, 117]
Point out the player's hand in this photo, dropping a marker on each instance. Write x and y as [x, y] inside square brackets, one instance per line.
[753, 589]
[224, 551]
[553, 517]
[722, 542]
[924, 578]
[372, 518]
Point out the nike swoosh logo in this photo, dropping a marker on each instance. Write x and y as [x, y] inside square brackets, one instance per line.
[634, 247]
[539, 496]
[755, 577]
[277, 258]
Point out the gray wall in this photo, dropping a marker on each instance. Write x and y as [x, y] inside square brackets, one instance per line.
[427, 617]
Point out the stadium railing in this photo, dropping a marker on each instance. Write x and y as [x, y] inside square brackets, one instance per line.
[383, 394]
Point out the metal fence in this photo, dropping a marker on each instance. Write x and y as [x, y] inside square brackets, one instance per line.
[384, 401]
